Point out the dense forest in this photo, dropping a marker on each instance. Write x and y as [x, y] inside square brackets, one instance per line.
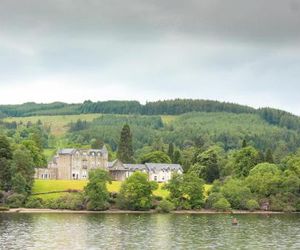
[167, 107]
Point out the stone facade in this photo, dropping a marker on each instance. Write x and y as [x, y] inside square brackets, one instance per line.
[75, 164]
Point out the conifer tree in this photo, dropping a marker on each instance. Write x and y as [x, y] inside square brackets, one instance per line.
[269, 156]
[125, 149]
[171, 151]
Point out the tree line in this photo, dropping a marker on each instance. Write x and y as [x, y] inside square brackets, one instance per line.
[166, 107]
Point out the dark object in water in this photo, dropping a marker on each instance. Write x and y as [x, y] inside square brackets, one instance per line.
[234, 222]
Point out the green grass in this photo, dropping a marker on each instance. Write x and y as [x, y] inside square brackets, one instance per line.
[43, 186]
[166, 119]
[57, 123]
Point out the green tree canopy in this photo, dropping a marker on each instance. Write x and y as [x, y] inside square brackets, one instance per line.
[156, 157]
[208, 164]
[244, 160]
[5, 163]
[186, 191]
[136, 192]
[264, 179]
[96, 190]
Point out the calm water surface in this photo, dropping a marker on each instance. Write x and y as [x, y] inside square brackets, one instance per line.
[148, 231]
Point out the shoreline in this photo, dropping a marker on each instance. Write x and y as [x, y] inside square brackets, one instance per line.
[118, 211]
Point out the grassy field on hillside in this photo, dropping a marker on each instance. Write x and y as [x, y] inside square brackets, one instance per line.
[57, 123]
[43, 186]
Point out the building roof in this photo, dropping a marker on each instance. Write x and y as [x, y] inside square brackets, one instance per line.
[135, 167]
[66, 151]
[153, 167]
[111, 163]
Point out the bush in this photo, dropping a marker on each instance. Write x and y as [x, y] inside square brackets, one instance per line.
[289, 208]
[157, 198]
[67, 201]
[252, 205]
[51, 203]
[71, 201]
[97, 207]
[16, 200]
[213, 198]
[298, 206]
[165, 206]
[34, 202]
[222, 205]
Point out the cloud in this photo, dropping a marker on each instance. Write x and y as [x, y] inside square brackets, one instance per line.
[72, 50]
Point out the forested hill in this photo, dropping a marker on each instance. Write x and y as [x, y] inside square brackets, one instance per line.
[166, 107]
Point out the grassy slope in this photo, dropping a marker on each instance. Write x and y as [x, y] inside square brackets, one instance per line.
[41, 186]
[57, 123]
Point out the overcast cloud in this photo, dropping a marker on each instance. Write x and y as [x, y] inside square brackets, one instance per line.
[228, 50]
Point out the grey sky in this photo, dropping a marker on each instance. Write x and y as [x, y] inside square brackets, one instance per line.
[70, 50]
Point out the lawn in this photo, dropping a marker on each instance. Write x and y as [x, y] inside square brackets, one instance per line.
[43, 186]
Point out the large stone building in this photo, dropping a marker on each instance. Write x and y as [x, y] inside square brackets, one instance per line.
[75, 164]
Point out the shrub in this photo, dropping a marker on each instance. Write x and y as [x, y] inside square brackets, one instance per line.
[71, 201]
[298, 206]
[222, 205]
[34, 202]
[15, 200]
[51, 203]
[165, 206]
[289, 208]
[67, 201]
[252, 205]
[213, 198]
[157, 198]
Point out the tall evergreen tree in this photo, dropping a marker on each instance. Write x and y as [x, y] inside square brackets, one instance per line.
[244, 144]
[171, 151]
[177, 157]
[125, 149]
[269, 156]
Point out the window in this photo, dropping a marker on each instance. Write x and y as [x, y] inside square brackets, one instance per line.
[155, 177]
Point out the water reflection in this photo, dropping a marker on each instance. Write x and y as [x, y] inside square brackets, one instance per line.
[148, 231]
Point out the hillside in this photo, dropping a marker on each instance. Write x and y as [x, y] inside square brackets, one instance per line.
[204, 128]
[165, 122]
[166, 107]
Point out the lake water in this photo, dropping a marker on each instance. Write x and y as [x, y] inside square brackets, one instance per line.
[148, 231]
